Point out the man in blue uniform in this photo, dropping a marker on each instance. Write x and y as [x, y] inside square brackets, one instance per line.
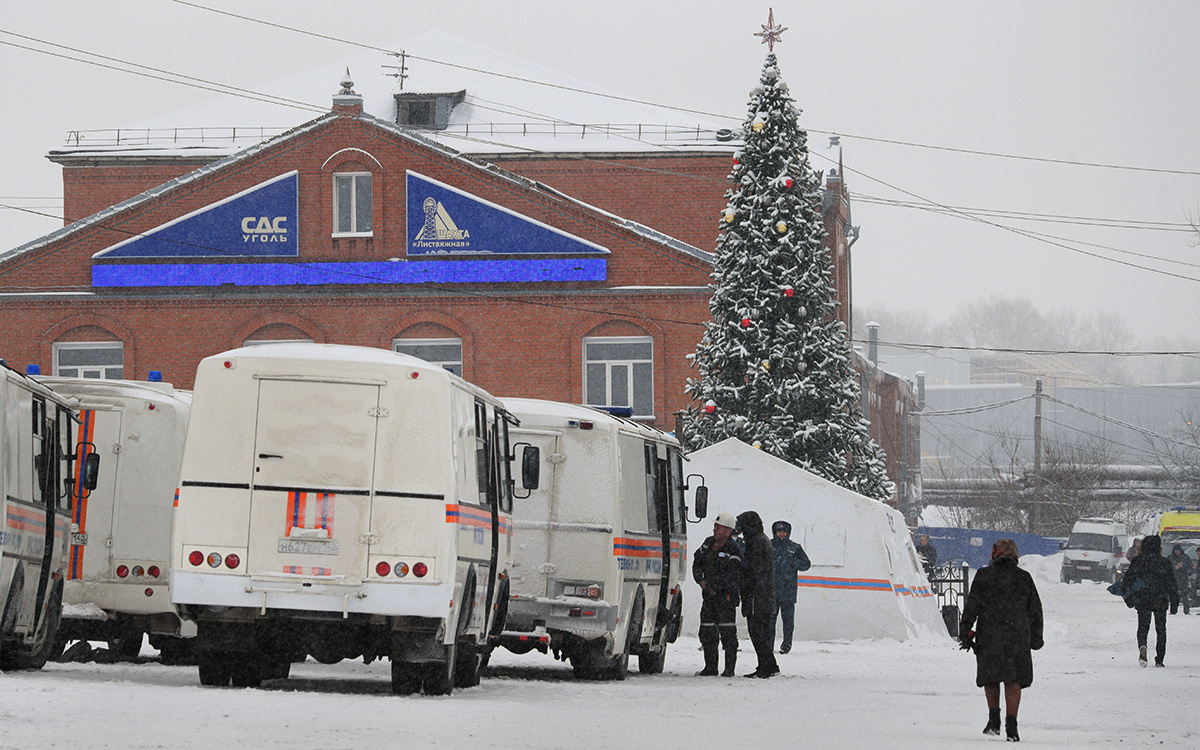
[790, 559]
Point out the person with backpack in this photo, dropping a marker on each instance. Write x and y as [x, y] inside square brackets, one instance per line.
[1149, 587]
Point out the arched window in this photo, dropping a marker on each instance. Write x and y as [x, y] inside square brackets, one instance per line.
[446, 352]
[619, 371]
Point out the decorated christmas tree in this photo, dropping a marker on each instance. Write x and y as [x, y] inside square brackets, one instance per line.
[775, 364]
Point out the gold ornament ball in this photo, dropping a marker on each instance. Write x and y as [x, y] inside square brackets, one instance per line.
[757, 126]
[766, 364]
[729, 217]
[781, 227]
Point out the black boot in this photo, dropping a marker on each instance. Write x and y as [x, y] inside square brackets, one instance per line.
[730, 662]
[993, 725]
[710, 661]
[1010, 729]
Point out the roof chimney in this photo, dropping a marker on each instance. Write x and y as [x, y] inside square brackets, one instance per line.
[873, 342]
[345, 101]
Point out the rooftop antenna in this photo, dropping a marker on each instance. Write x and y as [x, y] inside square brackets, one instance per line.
[401, 69]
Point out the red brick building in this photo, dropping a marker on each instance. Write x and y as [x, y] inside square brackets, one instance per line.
[570, 274]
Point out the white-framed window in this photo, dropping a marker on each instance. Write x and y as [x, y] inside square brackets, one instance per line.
[96, 360]
[444, 352]
[619, 371]
[352, 203]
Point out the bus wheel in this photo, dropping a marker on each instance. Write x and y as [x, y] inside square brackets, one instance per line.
[215, 668]
[43, 646]
[467, 668]
[618, 668]
[585, 660]
[406, 678]
[439, 678]
[248, 671]
[127, 645]
[652, 661]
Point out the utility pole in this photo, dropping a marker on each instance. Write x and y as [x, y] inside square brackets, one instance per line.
[1037, 455]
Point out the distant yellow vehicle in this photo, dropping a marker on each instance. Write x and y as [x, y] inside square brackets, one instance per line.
[1179, 524]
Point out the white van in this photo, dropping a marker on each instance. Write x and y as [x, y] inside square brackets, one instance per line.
[1095, 550]
[39, 471]
[342, 502]
[116, 587]
[600, 544]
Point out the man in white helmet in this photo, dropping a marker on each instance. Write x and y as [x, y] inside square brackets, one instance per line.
[717, 567]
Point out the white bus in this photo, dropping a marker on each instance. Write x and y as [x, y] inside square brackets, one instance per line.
[342, 502]
[116, 587]
[38, 473]
[601, 543]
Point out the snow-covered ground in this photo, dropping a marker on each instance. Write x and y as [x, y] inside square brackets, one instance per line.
[1088, 690]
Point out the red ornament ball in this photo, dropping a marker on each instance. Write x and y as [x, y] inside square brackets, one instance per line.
[787, 182]
[710, 406]
[745, 322]
[788, 291]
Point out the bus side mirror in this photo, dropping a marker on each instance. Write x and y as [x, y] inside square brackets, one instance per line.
[531, 466]
[701, 502]
[91, 471]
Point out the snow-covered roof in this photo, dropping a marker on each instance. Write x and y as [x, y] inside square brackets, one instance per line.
[511, 106]
[422, 137]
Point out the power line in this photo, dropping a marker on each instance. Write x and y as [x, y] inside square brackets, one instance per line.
[1135, 428]
[179, 78]
[1002, 350]
[1161, 226]
[267, 98]
[686, 110]
[973, 409]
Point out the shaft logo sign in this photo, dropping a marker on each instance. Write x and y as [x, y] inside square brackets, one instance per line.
[259, 222]
[445, 220]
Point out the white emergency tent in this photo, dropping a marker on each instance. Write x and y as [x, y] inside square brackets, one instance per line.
[865, 581]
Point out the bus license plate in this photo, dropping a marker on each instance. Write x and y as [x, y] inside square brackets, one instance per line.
[308, 547]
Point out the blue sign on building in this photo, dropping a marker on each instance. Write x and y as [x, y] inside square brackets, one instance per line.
[445, 220]
[261, 222]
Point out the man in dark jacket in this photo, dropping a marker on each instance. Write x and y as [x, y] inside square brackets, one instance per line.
[717, 567]
[758, 592]
[928, 553]
[1182, 566]
[1004, 606]
[1150, 587]
[789, 559]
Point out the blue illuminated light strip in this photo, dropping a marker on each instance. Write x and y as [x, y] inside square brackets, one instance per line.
[312, 274]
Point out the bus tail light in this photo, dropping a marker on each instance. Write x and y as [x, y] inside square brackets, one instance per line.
[420, 569]
[401, 569]
[382, 568]
[214, 560]
[232, 561]
[153, 571]
[122, 571]
[196, 557]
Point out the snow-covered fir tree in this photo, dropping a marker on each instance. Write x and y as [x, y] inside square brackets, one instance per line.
[775, 367]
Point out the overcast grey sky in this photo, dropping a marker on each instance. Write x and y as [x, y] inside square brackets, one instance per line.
[1082, 82]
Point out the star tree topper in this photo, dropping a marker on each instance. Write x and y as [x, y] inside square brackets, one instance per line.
[770, 32]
